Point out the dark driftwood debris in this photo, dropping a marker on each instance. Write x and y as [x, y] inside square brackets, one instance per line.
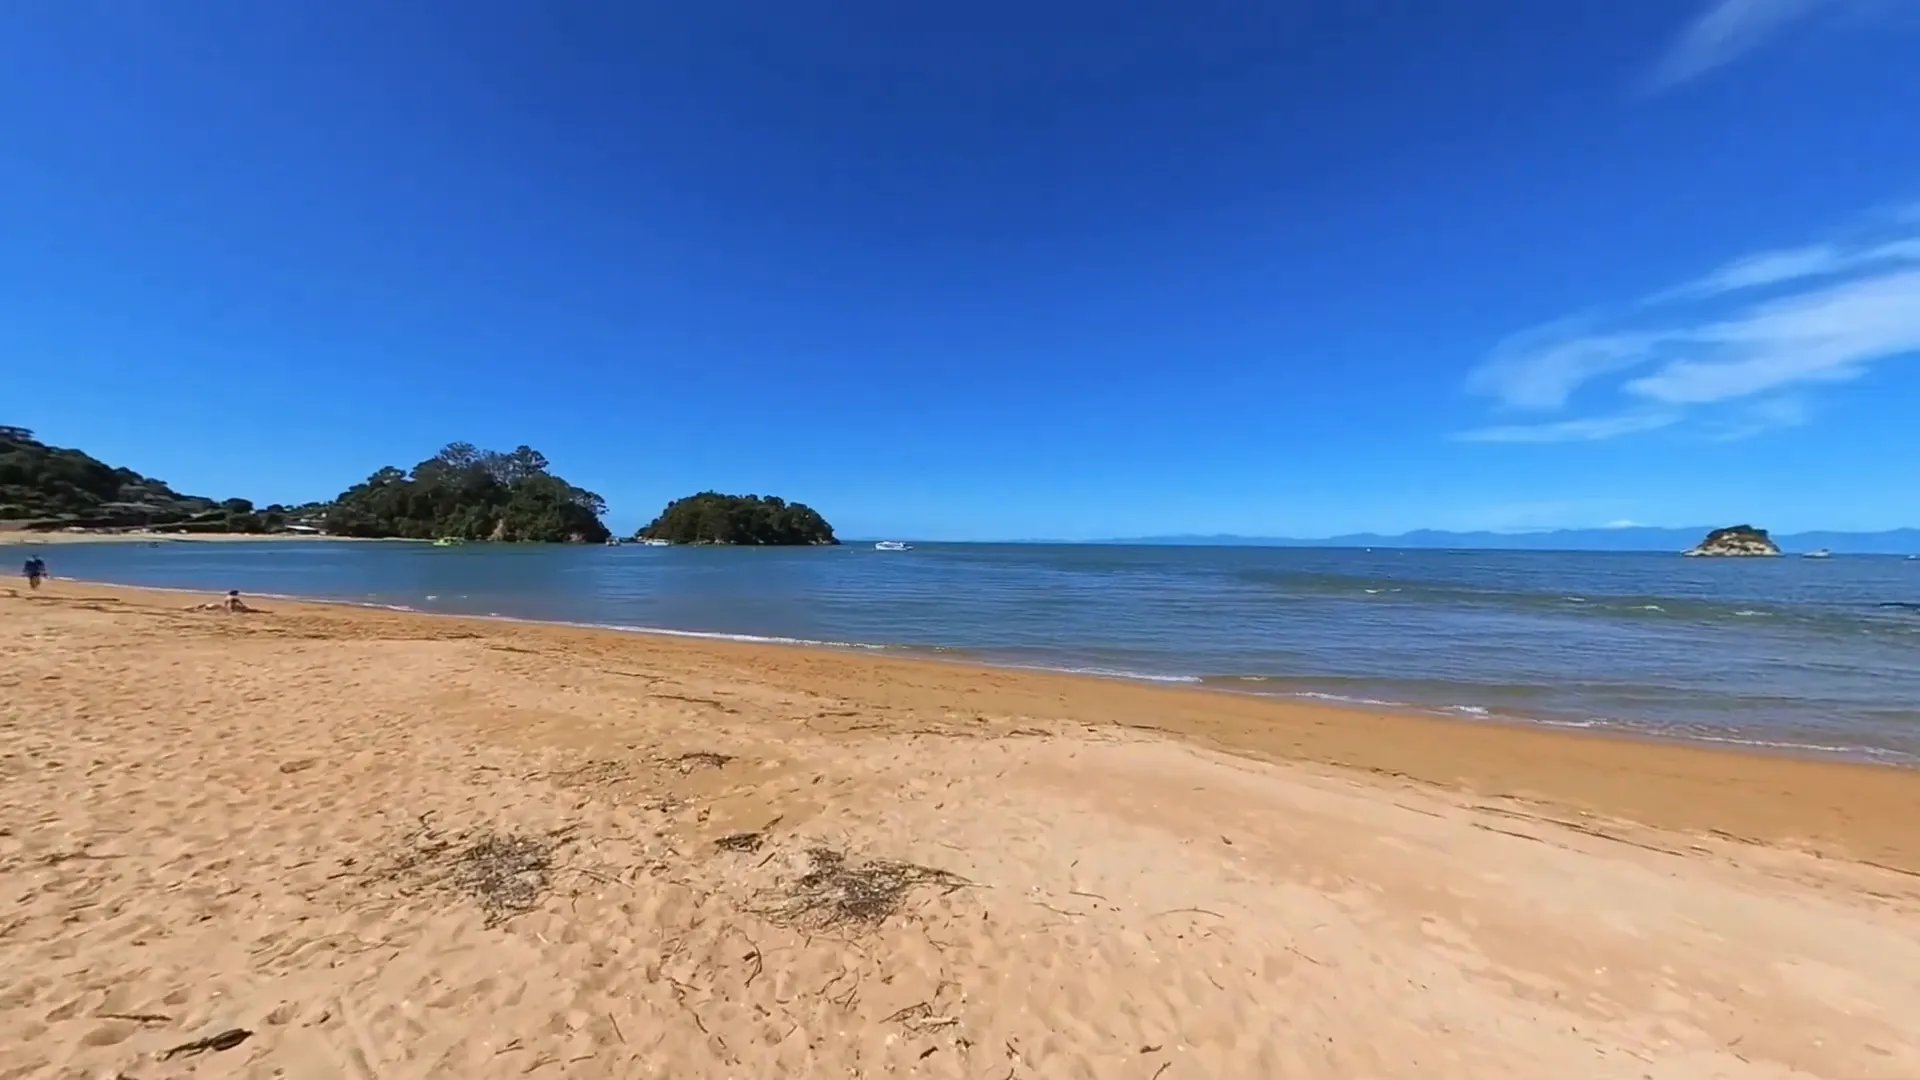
[224, 1040]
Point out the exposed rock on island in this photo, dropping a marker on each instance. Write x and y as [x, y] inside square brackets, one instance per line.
[1740, 540]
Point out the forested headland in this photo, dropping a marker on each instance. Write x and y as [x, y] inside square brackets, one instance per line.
[462, 492]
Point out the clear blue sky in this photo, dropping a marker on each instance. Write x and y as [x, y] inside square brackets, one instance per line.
[1045, 269]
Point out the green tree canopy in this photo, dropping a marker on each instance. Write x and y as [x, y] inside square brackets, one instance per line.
[713, 518]
[471, 494]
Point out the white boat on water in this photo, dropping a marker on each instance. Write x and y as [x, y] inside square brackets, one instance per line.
[892, 545]
[1822, 553]
[653, 541]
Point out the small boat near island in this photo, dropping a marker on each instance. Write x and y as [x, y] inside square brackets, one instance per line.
[448, 541]
[1820, 553]
[653, 541]
[892, 545]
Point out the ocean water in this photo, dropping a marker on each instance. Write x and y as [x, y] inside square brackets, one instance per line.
[1814, 656]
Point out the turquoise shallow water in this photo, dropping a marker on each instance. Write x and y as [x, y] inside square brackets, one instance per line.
[1812, 655]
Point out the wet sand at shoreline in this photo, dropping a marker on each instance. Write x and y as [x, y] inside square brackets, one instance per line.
[400, 845]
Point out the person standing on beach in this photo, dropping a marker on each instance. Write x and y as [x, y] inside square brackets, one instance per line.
[35, 570]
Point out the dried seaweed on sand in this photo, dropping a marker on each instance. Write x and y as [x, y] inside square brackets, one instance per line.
[836, 893]
[504, 874]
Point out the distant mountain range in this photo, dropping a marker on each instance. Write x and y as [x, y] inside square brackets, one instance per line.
[1892, 542]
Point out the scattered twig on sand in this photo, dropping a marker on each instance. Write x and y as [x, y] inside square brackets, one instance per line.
[1295, 951]
[597, 773]
[1511, 832]
[594, 874]
[834, 893]
[1164, 1066]
[693, 700]
[138, 1018]
[846, 1000]
[633, 674]
[1890, 869]
[224, 1040]
[757, 958]
[749, 841]
[1186, 910]
[57, 857]
[915, 1011]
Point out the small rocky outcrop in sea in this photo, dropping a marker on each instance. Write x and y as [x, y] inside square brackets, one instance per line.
[1742, 540]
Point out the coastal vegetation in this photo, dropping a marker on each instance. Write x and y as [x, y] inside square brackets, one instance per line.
[467, 493]
[52, 487]
[461, 492]
[713, 518]
[1736, 540]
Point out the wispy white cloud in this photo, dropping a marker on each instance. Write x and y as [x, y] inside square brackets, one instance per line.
[1707, 351]
[1542, 367]
[1729, 29]
[1590, 429]
[1829, 335]
[1796, 264]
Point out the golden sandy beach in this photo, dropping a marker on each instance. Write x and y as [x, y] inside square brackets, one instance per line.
[387, 845]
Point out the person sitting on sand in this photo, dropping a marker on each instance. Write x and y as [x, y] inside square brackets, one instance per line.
[231, 604]
[35, 570]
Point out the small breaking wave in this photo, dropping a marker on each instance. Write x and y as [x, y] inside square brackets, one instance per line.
[1879, 754]
[1105, 673]
[716, 635]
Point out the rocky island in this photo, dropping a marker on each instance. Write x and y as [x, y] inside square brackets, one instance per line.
[1736, 540]
[713, 518]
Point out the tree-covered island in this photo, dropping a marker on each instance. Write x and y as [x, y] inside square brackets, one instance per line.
[467, 493]
[713, 518]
